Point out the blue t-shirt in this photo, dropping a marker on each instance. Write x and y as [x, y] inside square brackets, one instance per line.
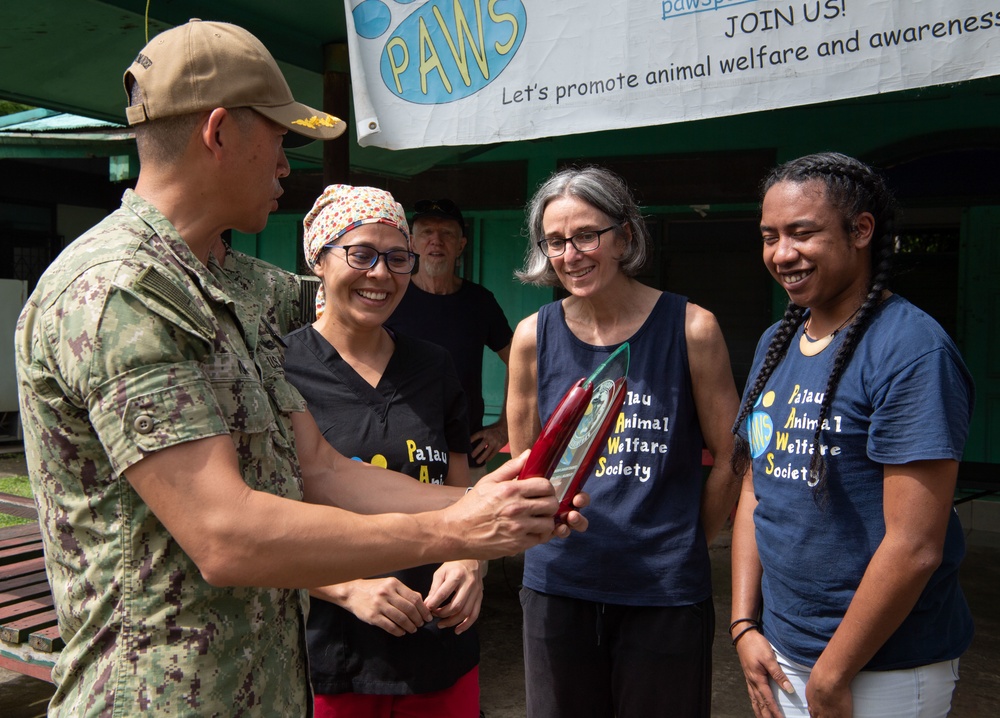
[905, 396]
[645, 545]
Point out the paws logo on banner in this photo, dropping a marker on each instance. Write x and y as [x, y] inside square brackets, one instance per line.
[443, 50]
[760, 428]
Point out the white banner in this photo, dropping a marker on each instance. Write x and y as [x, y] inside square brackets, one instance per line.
[458, 72]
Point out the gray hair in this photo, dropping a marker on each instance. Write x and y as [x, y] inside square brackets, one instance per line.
[602, 189]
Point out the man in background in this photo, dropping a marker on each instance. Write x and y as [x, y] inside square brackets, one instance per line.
[462, 316]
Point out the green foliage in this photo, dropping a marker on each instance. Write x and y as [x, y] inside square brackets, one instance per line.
[17, 485]
[928, 242]
[9, 108]
[8, 520]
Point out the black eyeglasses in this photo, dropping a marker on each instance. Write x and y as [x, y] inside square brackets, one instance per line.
[582, 241]
[358, 256]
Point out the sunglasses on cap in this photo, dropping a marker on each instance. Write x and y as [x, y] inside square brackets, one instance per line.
[436, 205]
[438, 208]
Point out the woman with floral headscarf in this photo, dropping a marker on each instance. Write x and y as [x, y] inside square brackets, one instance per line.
[399, 642]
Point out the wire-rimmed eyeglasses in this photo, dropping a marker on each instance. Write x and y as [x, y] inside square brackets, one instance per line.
[582, 241]
[360, 256]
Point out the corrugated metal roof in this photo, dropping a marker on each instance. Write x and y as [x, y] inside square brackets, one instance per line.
[41, 120]
[48, 134]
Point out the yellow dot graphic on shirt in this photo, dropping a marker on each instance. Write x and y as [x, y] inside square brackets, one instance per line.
[768, 399]
[379, 460]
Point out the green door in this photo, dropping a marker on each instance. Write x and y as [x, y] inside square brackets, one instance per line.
[278, 243]
[498, 250]
[979, 323]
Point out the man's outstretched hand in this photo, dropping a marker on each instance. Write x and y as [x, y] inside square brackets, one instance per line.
[501, 516]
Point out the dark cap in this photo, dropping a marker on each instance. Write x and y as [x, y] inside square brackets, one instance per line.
[438, 208]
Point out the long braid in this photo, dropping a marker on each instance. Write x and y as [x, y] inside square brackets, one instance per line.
[882, 257]
[852, 187]
[776, 350]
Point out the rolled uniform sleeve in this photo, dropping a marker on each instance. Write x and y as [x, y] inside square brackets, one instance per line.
[138, 367]
[128, 346]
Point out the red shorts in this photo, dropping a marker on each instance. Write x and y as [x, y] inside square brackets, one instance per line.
[459, 701]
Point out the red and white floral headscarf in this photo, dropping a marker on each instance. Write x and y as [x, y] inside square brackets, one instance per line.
[340, 209]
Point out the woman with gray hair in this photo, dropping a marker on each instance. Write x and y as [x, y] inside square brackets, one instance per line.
[619, 621]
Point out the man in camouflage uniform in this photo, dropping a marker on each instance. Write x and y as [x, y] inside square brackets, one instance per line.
[167, 453]
[278, 291]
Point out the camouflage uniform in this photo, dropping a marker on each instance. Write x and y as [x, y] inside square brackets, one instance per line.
[283, 310]
[127, 346]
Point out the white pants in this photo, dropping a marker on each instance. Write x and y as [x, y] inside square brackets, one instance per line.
[922, 692]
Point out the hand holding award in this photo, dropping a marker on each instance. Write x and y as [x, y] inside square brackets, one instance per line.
[570, 442]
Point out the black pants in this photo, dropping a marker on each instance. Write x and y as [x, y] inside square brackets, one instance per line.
[596, 660]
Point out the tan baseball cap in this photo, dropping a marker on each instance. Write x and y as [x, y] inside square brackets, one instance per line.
[200, 66]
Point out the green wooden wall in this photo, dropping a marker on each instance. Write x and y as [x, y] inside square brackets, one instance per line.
[979, 326]
[496, 255]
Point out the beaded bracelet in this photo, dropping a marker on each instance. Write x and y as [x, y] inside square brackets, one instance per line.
[751, 627]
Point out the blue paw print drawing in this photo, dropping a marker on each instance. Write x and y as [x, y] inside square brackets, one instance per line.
[441, 50]
[373, 17]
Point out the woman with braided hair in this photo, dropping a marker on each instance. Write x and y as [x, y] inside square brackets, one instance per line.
[846, 547]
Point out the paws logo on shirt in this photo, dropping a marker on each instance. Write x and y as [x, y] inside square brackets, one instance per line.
[760, 428]
[442, 50]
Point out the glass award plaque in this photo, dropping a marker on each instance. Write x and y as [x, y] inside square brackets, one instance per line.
[570, 442]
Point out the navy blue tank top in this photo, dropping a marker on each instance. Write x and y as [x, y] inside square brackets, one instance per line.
[645, 545]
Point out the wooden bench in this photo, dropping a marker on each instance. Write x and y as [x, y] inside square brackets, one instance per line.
[29, 636]
[18, 506]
